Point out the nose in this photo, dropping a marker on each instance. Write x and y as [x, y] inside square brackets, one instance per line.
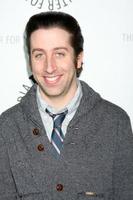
[50, 64]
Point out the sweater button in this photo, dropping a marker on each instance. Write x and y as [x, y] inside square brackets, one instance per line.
[59, 187]
[35, 131]
[40, 147]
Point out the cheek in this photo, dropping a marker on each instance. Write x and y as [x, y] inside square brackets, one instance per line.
[36, 68]
[69, 65]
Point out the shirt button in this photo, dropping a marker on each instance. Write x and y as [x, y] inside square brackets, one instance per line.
[35, 131]
[40, 147]
[59, 187]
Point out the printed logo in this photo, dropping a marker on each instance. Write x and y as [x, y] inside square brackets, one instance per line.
[23, 93]
[26, 89]
[49, 4]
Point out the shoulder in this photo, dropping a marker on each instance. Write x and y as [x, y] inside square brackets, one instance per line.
[102, 108]
[8, 123]
[10, 114]
[114, 117]
[16, 111]
[112, 110]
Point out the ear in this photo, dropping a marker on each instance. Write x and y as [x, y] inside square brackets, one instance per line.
[80, 60]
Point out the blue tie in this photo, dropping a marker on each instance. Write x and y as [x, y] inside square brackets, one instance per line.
[57, 136]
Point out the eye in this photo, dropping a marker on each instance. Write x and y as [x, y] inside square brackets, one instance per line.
[38, 55]
[60, 54]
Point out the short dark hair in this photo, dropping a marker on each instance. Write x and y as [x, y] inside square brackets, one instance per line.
[56, 19]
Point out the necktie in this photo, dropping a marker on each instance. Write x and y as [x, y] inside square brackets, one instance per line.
[57, 136]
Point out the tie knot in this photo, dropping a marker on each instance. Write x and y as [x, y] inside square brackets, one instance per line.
[50, 113]
[58, 118]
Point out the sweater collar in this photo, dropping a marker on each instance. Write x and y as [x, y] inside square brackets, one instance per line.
[30, 107]
[71, 106]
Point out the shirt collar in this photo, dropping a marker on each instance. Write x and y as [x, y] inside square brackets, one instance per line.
[71, 107]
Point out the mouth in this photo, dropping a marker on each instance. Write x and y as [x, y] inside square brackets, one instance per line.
[52, 80]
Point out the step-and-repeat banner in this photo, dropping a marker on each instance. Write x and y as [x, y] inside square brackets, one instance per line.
[108, 52]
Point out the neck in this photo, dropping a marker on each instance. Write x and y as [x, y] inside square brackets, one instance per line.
[61, 101]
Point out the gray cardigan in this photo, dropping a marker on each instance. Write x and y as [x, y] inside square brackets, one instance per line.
[96, 162]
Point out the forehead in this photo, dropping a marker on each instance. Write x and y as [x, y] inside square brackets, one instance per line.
[50, 36]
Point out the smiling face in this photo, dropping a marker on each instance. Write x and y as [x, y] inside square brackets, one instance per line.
[53, 64]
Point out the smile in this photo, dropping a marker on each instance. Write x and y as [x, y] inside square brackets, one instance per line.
[52, 80]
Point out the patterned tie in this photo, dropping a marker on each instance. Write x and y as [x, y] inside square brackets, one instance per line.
[57, 136]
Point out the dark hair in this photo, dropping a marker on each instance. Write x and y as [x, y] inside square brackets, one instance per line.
[56, 19]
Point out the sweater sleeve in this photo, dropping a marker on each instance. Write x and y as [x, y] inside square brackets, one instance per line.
[123, 162]
[7, 185]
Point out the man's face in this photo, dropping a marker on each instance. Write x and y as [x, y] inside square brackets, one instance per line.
[53, 63]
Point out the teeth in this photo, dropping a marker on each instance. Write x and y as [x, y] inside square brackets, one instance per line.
[52, 79]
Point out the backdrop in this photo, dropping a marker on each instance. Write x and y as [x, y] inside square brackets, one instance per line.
[108, 61]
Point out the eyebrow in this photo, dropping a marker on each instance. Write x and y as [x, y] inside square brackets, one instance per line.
[37, 49]
[63, 48]
[56, 48]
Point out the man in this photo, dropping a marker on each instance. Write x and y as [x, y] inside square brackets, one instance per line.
[63, 141]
